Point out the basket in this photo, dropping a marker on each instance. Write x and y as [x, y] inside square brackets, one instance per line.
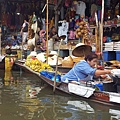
[68, 62]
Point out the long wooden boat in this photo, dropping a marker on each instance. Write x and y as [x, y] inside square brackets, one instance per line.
[84, 92]
[62, 69]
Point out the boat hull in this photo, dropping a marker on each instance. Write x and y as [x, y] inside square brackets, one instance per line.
[13, 67]
[2, 64]
[62, 69]
[98, 96]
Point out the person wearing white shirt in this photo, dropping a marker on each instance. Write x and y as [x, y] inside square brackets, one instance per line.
[24, 31]
[63, 29]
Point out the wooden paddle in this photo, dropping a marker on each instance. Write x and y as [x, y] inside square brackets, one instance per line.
[0, 45]
[61, 39]
[47, 52]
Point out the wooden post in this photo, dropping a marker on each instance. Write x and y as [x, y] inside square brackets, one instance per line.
[0, 45]
[22, 48]
[101, 28]
[101, 34]
[47, 31]
[56, 19]
[97, 40]
[96, 35]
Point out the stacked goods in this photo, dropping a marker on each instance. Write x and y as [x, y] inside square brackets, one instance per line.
[77, 59]
[82, 30]
[115, 62]
[68, 62]
[37, 65]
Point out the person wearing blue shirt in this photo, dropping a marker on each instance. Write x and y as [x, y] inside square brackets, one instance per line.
[85, 70]
[15, 41]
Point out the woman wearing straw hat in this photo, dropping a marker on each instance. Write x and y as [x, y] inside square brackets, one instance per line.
[85, 70]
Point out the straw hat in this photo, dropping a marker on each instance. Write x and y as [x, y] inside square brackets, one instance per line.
[52, 53]
[81, 50]
[33, 53]
[62, 37]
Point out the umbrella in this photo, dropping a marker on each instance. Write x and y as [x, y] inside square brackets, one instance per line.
[81, 50]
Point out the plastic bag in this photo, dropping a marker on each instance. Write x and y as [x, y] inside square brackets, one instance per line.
[51, 75]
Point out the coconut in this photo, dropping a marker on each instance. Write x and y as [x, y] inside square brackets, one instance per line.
[77, 36]
[79, 33]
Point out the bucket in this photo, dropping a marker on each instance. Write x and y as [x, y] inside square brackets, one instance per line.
[19, 52]
[50, 44]
[7, 64]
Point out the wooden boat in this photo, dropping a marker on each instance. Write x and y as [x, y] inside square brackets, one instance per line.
[62, 69]
[13, 67]
[19, 63]
[84, 92]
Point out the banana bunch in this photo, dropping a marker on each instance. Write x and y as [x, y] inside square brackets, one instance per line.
[36, 68]
[37, 65]
[27, 63]
[45, 66]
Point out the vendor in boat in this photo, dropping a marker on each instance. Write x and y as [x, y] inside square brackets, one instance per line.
[53, 34]
[85, 70]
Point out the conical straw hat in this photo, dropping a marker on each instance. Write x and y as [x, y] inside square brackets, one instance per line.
[81, 50]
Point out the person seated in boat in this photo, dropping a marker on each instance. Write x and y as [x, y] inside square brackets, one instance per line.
[85, 70]
[53, 34]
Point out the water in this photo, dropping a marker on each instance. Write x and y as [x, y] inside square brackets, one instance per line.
[17, 102]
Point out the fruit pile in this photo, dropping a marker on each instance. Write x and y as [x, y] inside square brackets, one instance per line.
[37, 65]
[82, 30]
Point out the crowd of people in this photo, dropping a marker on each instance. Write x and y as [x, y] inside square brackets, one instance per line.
[14, 38]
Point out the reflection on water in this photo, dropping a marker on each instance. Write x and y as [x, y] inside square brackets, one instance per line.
[23, 96]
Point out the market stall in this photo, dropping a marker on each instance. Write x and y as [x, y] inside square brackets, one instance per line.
[73, 15]
[77, 21]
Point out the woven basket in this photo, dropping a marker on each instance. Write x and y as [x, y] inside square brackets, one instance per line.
[68, 62]
[76, 60]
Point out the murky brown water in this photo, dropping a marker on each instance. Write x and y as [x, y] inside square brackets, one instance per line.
[19, 101]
